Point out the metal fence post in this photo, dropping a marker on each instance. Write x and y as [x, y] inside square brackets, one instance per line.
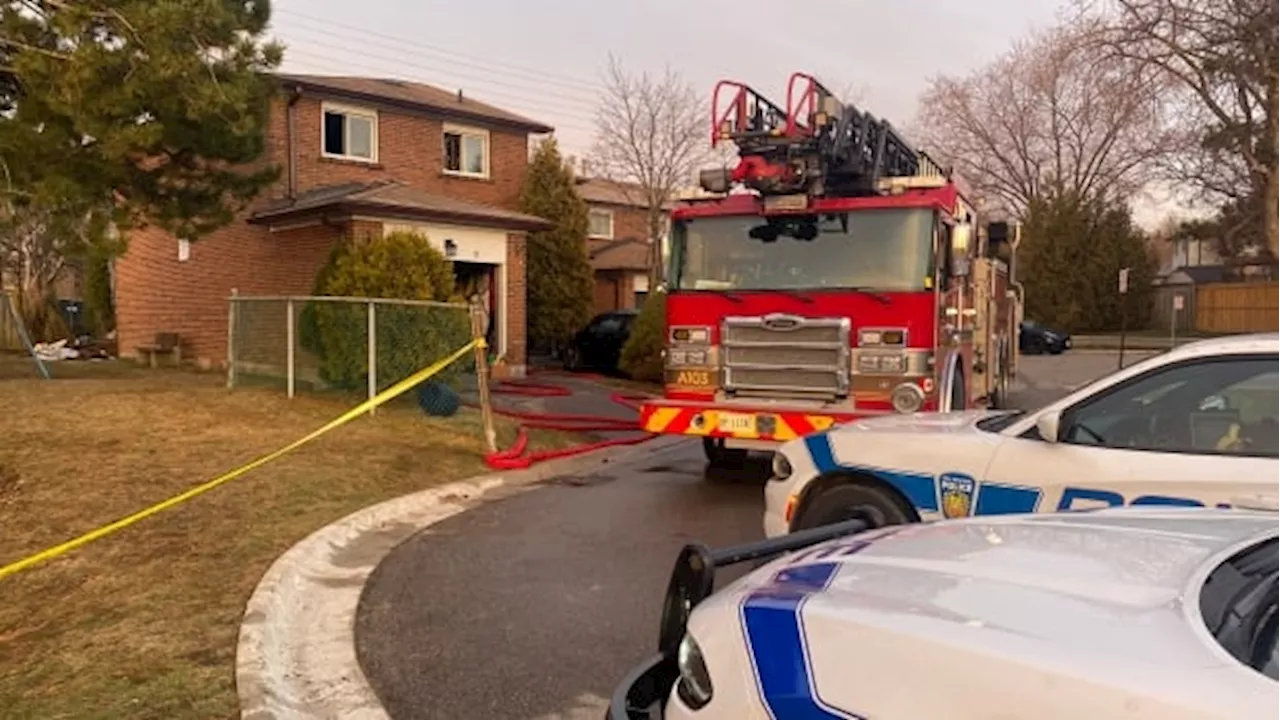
[232, 307]
[373, 352]
[289, 332]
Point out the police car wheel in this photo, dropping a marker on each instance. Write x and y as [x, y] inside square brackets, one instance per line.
[848, 502]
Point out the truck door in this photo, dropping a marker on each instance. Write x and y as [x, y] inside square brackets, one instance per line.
[1198, 432]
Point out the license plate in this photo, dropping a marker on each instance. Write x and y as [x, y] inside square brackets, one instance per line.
[736, 422]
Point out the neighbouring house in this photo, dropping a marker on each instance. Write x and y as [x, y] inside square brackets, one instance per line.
[359, 156]
[618, 242]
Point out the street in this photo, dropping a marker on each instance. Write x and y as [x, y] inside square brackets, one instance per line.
[534, 606]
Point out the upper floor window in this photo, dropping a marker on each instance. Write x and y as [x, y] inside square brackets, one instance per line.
[466, 151]
[600, 223]
[349, 133]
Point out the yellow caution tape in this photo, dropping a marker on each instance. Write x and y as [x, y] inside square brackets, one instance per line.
[389, 394]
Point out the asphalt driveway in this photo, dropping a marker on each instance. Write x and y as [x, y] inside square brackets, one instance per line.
[534, 605]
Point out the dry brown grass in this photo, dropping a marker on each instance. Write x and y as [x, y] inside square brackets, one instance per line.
[143, 623]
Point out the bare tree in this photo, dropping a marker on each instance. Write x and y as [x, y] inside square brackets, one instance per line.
[1048, 117]
[653, 132]
[1223, 58]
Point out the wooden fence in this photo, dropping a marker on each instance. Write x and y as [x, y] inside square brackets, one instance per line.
[1165, 311]
[1236, 307]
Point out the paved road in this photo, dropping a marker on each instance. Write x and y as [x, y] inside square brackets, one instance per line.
[533, 606]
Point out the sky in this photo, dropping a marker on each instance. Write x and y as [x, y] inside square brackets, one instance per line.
[543, 58]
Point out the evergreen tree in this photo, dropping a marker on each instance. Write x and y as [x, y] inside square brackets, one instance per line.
[1070, 262]
[559, 275]
[642, 354]
[153, 109]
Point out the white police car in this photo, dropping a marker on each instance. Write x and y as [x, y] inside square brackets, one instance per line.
[1192, 426]
[1125, 613]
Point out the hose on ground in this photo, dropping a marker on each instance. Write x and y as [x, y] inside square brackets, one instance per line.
[518, 457]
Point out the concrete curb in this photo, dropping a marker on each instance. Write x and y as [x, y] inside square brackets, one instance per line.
[296, 655]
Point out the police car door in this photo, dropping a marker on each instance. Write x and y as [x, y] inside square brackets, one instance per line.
[1196, 432]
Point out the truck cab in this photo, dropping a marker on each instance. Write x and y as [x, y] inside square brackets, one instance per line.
[822, 287]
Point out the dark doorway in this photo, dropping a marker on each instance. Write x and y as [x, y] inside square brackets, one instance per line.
[482, 279]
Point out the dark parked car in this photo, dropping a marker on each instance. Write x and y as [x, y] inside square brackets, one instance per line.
[599, 345]
[1036, 339]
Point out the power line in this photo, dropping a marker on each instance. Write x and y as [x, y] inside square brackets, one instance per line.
[435, 71]
[567, 119]
[449, 54]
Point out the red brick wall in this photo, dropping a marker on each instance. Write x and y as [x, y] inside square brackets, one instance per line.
[410, 149]
[517, 292]
[629, 222]
[156, 293]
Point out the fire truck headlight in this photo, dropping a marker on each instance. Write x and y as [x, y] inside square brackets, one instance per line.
[690, 335]
[907, 398]
[893, 363]
[683, 357]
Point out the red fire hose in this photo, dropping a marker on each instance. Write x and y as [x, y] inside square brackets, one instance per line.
[517, 456]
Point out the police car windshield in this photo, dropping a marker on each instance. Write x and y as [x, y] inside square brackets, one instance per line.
[868, 249]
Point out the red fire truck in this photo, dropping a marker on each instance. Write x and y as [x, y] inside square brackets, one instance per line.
[835, 273]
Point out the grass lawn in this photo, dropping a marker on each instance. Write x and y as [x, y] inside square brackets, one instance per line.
[143, 623]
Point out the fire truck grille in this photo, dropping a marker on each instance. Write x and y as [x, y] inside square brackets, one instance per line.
[785, 354]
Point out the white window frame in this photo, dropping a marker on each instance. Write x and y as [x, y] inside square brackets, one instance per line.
[464, 131]
[605, 211]
[350, 110]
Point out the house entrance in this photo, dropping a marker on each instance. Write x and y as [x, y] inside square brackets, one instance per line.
[481, 279]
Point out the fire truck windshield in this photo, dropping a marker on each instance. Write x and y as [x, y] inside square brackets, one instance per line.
[867, 249]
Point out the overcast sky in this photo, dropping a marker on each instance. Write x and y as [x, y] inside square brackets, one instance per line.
[542, 58]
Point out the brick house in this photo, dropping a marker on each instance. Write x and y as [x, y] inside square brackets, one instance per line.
[618, 243]
[359, 156]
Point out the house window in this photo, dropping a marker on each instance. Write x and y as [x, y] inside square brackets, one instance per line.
[184, 250]
[349, 133]
[600, 223]
[466, 151]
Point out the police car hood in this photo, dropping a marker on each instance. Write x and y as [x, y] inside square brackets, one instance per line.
[1085, 600]
[928, 423]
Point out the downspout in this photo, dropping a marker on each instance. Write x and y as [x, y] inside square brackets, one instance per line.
[291, 132]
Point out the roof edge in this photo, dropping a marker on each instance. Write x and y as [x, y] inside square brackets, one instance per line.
[531, 126]
[395, 212]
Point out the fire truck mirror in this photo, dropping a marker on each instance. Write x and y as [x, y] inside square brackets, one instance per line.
[999, 243]
[961, 237]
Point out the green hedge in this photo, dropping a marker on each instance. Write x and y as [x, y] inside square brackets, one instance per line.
[642, 354]
[400, 266]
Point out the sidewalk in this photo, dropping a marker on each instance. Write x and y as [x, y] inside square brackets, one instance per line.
[1132, 342]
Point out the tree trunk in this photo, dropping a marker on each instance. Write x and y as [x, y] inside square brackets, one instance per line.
[655, 249]
[1271, 188]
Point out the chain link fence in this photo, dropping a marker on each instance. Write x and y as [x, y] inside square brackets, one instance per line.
[343, 344]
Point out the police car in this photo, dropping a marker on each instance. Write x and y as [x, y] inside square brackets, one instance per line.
[1192, 426]
[1125, 613]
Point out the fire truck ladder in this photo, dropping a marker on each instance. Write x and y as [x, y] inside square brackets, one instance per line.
[817, 145]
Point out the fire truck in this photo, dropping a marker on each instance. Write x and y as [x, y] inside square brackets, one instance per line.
[835, 273]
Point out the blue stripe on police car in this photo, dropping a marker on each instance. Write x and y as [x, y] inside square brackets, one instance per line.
[924, 491]
[774, 630]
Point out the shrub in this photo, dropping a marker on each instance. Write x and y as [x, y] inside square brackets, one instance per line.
[400, 266]
[1070, 260]
[642, 354]
[559, 275]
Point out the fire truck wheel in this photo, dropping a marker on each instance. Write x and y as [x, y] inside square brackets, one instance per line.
[878, 505]
[1000, 395]
[720, 456]
[959, 393]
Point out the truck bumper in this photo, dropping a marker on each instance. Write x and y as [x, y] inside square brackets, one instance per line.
[740, 425]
